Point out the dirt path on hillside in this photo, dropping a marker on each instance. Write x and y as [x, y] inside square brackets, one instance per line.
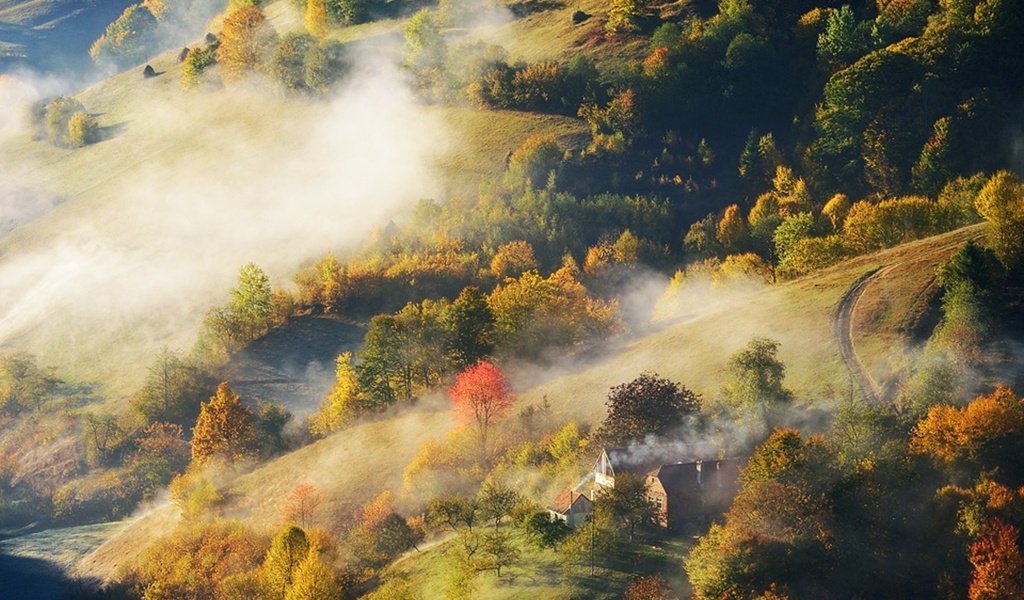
[843, 328]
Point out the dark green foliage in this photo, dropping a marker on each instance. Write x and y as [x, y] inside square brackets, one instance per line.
[471, 324]
[647, 406]
[972, 281]
[544, 531]
[844, 39]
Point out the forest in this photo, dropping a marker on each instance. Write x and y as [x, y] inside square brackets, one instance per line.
[786, 232]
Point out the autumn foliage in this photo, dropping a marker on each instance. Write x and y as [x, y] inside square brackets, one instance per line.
[998, 564]
[225, 428]
[481, 397]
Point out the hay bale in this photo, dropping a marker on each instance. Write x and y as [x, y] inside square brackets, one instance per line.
[183, 54]
[579, 16]
[148, 72]
[210, 38]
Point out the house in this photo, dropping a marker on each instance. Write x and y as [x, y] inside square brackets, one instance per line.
[685, 482]
[572, 507]
[693, 491]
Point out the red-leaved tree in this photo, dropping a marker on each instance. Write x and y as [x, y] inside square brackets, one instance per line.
[481, 398]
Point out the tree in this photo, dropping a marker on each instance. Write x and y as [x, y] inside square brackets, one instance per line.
[288, 63]
[82, 129]
[342, 404]
[647, 406]
[452, 512]
[533, 161]
[756, 377]
[173, 390]
[843, 40]
[58, 116]
[160, 454]
[627, 504]
[497, 501]
[313, 579]
[250, 301]
[997, 561]
[425, 48]
[1001, 203]
[315, 18]
[196, 62]
[302, 505]
[289, 548]
[225, 428]
[513, 259]
[481, 397]
[23, 385]
[470, 324]
[383, 371]
[497, 552]
[625, 15]
[731, 231]
[792, 229]
[128, 40]
[245, 42]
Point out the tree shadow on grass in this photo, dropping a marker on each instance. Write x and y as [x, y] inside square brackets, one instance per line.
[33, 579]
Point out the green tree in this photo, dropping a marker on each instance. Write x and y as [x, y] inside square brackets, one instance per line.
[23, 385]
[425, 48]
[288, 63]
[497, 552]
[470, 325]
[627, 504]
[533, 161]
[497, 501]
[225, 428]
[755, 379]
[382, 372]
[251, 300]
[844, 40]
[342, 404]
[647, 406]
[173, 390]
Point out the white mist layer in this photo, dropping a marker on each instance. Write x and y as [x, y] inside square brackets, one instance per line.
[172, 242]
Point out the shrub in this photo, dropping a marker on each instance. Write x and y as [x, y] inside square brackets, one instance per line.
[58, 115]
[82, 129]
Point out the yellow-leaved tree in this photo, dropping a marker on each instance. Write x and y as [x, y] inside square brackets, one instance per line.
[246, 41]
[225, 428]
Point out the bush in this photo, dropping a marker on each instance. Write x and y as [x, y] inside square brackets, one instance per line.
[128, 40]
[196, 62]
[58, 115]
[82, 129]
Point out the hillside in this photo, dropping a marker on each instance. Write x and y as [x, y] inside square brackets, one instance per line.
[352, 466]
[172, 170]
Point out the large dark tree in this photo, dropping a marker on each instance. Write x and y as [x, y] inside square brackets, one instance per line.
[647, 406]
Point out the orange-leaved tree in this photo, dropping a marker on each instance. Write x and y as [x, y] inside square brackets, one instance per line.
[481, 397]
[225, 428]
[301, 506]
[998, 565]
